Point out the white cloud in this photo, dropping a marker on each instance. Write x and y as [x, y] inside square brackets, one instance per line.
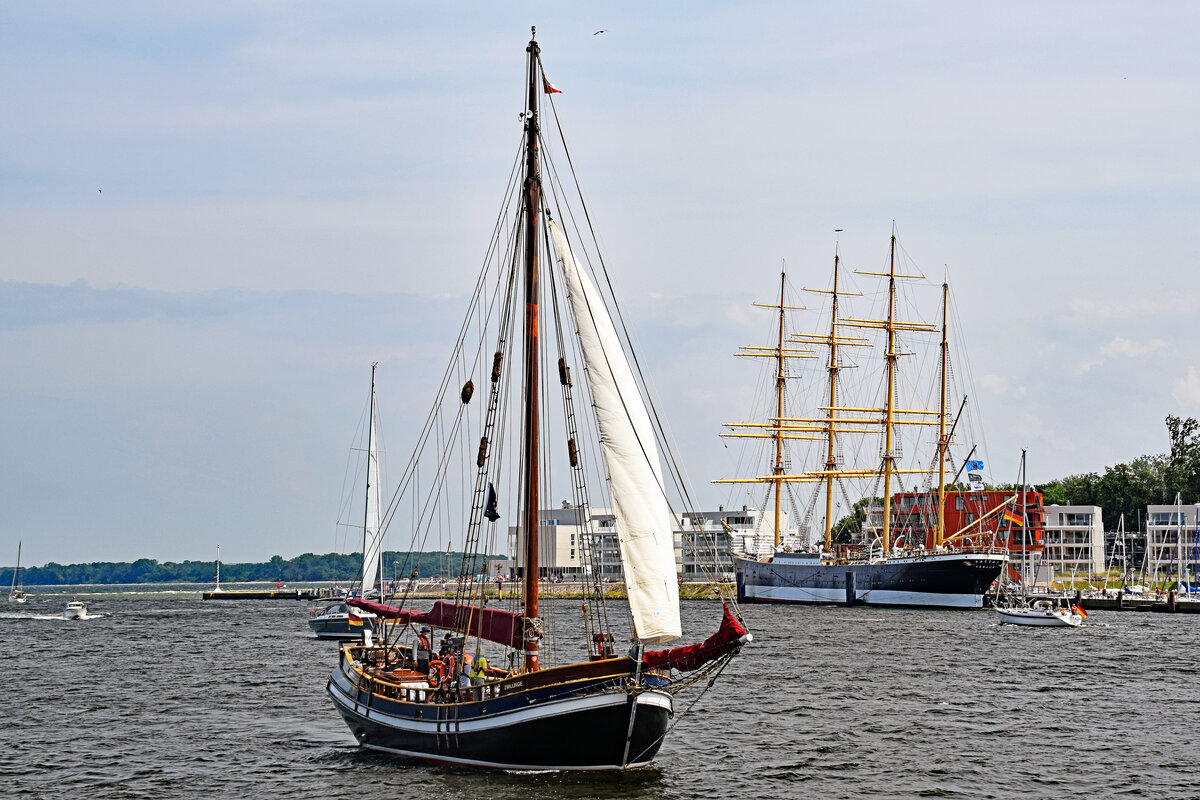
[1120, 347]
[1186, 390]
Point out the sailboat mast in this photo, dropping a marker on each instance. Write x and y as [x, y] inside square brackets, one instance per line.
[529, 475]
[830, 454]
[943, 443]
[372, 476]
[891, 356]
[779, 388]
[12, 590]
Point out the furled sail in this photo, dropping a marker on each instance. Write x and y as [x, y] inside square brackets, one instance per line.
[493, 624]
[644, 520]
[372, 534]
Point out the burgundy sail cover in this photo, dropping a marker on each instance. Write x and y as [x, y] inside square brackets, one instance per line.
[493, 624]
[692, 656]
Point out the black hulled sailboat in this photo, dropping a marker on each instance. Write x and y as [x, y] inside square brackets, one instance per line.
[605, 710]
[930, 567]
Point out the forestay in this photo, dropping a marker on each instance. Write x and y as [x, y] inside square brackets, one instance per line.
[644, 519]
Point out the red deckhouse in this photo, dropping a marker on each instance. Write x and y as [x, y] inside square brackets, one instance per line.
[914, 517]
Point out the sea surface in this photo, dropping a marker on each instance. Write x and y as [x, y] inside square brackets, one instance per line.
[162, 695]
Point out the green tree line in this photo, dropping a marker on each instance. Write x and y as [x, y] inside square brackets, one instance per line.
[343, 567]
[1147, 480]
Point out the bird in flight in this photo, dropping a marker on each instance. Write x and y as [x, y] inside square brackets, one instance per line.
[602, 30]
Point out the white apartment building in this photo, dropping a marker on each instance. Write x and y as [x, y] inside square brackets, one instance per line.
[1074, 540]
[702, 543]
[1173, 538]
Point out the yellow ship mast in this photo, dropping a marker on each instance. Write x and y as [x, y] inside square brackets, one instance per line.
[890, 355]
[831, 453]
[775, 429]
[939, 534]
[846, 419]
[779, 387]
[890, 325]
[833, 368]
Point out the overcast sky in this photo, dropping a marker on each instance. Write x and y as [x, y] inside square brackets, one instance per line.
[214, 217]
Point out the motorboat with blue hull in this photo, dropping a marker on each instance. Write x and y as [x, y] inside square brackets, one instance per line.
[603, 715]
[938, 580]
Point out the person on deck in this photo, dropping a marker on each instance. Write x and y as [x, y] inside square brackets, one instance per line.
[479, 670]
[421, 650]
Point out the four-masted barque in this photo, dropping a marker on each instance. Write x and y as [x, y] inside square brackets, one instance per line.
[604, 706]
[882, 566]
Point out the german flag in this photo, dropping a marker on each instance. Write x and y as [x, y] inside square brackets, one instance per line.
[1012, 518]
[355, 621]
[1079, 610]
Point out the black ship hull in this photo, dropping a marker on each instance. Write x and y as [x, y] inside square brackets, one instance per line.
[580, 723]
[943, 580]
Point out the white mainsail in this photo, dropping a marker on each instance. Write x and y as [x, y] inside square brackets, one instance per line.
[644, 519]
[372, 538]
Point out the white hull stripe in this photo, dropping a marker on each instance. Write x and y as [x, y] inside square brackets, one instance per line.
[801, 594]
[1033, 621]
[539, 710]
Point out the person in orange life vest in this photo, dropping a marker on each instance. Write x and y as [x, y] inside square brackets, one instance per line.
[421, 649]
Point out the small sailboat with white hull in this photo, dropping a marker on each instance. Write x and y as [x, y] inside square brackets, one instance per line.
[338, 621]
[1013, 608]
[16, 592]
[542, 703]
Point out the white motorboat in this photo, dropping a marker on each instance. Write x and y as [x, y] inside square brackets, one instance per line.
[76, 609]
[1051, 613]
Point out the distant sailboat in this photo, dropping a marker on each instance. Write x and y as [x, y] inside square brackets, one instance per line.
[338, 621]
[1054, 612]
[15, 593]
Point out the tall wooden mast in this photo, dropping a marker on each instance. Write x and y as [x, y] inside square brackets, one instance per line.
[529, 477]
[889, 410]
[939, 534]
[779, 391]
[831, 451]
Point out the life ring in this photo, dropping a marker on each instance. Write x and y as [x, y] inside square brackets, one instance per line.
[437, 673]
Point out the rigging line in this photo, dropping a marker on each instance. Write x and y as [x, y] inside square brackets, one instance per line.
[437, 408]
[673, 463]
[345, 501]
[657, 426]
[716, 673]
[506, 203]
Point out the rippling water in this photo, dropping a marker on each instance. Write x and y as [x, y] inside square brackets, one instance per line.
[162, 695]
